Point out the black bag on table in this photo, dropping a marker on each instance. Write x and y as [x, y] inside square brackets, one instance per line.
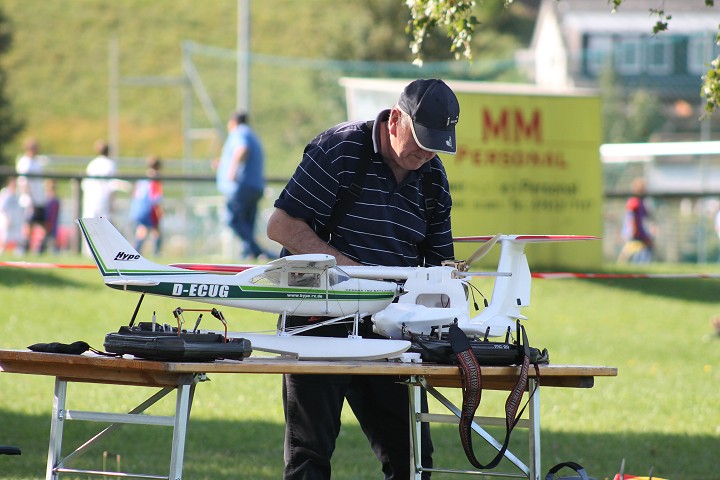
[143, 342]
[74, 348]
[488, 353]
[470, 355]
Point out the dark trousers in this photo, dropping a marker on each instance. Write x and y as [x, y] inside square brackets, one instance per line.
[243, 211]
[313, 404]
[381, 403]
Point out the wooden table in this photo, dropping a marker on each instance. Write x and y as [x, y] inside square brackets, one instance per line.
[183, 377]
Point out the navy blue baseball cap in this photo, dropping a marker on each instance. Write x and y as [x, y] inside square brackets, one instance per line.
[434, 111]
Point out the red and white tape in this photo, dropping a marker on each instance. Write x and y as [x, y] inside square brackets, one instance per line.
[237, 268]
[624, 275]
[43, 265]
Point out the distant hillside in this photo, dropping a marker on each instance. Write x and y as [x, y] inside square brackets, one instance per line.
[59, 66]
[59, 69]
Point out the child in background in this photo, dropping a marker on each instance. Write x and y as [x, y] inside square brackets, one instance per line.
[52, 216]
[637, 228]
[12, 217]
[145, 210]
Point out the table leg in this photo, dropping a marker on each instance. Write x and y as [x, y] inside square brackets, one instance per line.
[56, 428]
[531, 471]
[182, 414]
[415, 405]
[534, 434]
[185, 392]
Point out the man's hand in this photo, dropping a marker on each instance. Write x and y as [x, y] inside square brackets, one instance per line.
[298, 238]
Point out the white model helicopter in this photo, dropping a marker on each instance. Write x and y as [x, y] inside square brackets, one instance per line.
[400, 300]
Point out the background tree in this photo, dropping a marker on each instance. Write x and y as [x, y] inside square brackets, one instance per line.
[628, 117]
[458, 20]
[10, 126]
[372, 33]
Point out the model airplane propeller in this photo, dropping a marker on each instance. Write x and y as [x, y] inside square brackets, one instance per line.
[399, 300]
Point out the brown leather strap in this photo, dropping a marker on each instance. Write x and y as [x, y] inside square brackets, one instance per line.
[471, 377]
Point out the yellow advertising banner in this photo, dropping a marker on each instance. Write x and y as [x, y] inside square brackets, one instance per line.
[529, 163]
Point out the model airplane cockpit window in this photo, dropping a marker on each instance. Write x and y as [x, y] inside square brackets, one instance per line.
[267, 278]
[304, 279]
[436, 300]
[337, 276]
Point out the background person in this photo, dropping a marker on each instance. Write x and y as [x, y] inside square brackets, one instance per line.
[636, 231]
[385, 226]
[32, 192]
[11, 217]
[240, 177]
[52, 217]
[146, 207]
[97, 192]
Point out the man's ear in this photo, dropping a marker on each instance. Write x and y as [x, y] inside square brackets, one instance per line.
[394, 121]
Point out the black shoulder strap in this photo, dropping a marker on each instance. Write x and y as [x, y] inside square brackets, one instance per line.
[430, 199]
[348, 198]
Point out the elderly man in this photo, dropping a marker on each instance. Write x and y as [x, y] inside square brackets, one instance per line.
[369, 193]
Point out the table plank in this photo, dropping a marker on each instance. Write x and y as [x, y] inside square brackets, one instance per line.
[132, 371]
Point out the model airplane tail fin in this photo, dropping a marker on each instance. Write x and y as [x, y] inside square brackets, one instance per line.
[511, 292]
[114, 255]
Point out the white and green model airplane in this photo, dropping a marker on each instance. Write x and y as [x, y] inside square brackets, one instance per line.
[399, 300]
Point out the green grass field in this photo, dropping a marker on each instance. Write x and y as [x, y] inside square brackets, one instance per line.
[661, 411]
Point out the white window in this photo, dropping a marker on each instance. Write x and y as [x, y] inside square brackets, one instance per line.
[701, 50]
[599, 48]
[628, 55]
[659, 54]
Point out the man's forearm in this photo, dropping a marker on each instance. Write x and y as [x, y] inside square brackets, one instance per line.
[298, 238]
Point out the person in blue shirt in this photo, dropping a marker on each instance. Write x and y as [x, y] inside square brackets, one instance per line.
[240, 177]
[389, 224]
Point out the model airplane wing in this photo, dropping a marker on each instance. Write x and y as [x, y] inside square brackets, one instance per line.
[528, 238]
[325, 348]
[313, 260]
[230, 269]
[294, 261]
[133, 282]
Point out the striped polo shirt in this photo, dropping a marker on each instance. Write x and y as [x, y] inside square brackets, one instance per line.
[386, 225]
